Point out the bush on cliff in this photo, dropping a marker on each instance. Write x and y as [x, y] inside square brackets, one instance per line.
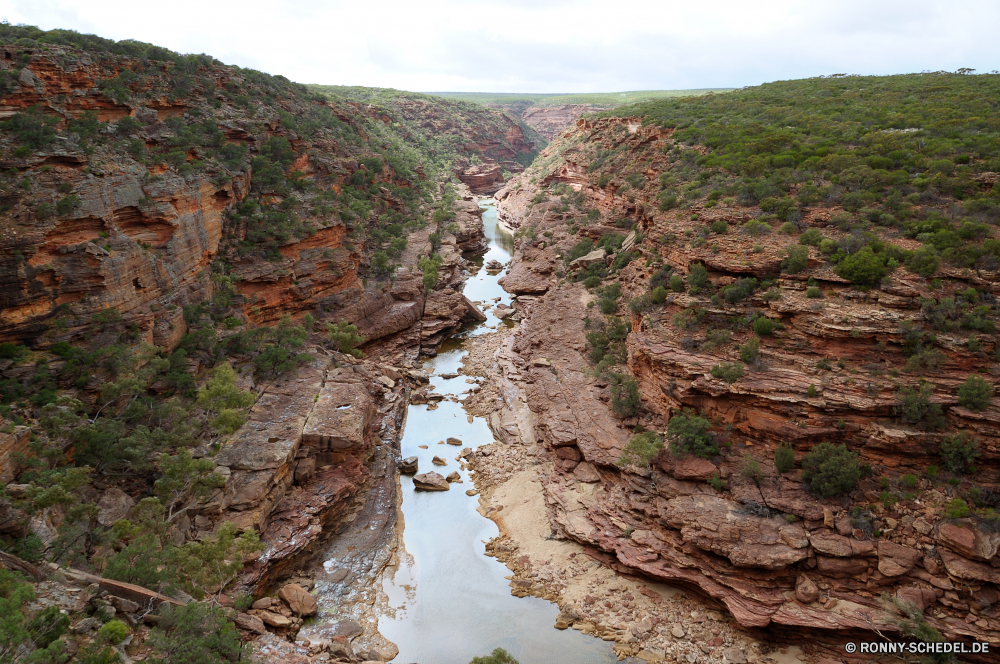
[697, 277]
[784, 458]
[864, 268]
[975, 393]
[689, 434]
[958, 453]
[729, 372]
[624, 395]
[345, 336]
[915, 406]
[641, 449]
[830, 470]
[498, 656]
[797, 259]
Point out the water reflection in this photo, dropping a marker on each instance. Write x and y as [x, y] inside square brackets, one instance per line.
[449, 602]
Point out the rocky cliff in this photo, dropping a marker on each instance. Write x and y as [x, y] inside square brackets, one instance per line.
[699, 408]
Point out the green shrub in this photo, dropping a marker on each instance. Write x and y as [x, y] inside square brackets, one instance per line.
[607, 300]
[811, 237]
[924, 261]
[659, 294]
[958, 453]
[784, 458]
[676, 283]
[811, 391]
[908, 481]
[67, 204]
[720, 226]
[193, 634]
[788, 228]
[641, 449]
[813, 292]
[755, 227]
[729, 372]
[625, 397]
[113, 632]
[975, 393]
[763, 326]
[749, 353]
[739, 291]
[697, 277]
[716, 482]
[957, 509]
[830, 470]
[498, 656]
[345, 336]
[797, 259]
[915, 406]
[864, 268]
[689, 434]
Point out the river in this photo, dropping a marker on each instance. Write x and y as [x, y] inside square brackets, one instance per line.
[448, 602]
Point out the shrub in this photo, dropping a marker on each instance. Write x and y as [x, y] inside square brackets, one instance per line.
[716, 482]
[625, 397]
[915, 406]
[830, 470]
[741, 290]
[957, 509]
[114, 632]
[755, 227]
[720, 226]
[749, 353]
[67, 204]
[958, 453]
[689, 434]
[811, 391]
[763, 326]
[676, 283]
[193, 633]
[641, 449]
[729, 372]
[498, 656]
[784, 458]
[908, 481]
[864, 268]
[608, 298]
[697, 277]
[811, 237]
[924, 261]
[813, 292]
[797, 260]
[659, 294]
[345, 336]
[975, 393]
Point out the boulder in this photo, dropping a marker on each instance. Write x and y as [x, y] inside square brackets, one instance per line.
[586, 473]
[594, 257]
[454, 476]
[969, 541]
[347, 629]
[114, 504]
[896, 559]
[299, 600]
[453, 441]
[275, 620]
[250, 623]
[430, 482]
[438, 461]
[409, 465]
[919, 597]
[305, 469]
[805, 590]
[694, 468]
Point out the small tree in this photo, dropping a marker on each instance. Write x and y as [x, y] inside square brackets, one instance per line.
[697, 278]
[689, 434]
[221, 397]
[498, 656]
[763, 326]
[975, 393]
[830, 470]
[625, 397]
[797, 259]
[915, 406]
[209, 566]
[184, 477]
[641, 450]
[784, 458]
[864, 268]
[750, 351]
[345, 336]
[958, 453]
[196, 633]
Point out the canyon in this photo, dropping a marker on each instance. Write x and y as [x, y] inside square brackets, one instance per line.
[162, 220]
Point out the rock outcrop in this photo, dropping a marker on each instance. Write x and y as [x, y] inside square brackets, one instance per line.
[760, 544]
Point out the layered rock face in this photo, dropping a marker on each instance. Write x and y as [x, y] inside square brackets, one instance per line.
[550, 121]
[759, 543]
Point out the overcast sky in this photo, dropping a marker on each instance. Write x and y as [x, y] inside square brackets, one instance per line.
[548, 45]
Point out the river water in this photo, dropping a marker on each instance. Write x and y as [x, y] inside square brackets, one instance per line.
[448, 602]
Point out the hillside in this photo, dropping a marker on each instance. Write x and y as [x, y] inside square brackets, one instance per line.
[190, 256]
[773, 309]
[481, 146]
[551, 114]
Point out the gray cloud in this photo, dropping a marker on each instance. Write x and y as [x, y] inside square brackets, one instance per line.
[549, 45]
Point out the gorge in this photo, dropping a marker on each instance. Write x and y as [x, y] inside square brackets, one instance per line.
[709, 378]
